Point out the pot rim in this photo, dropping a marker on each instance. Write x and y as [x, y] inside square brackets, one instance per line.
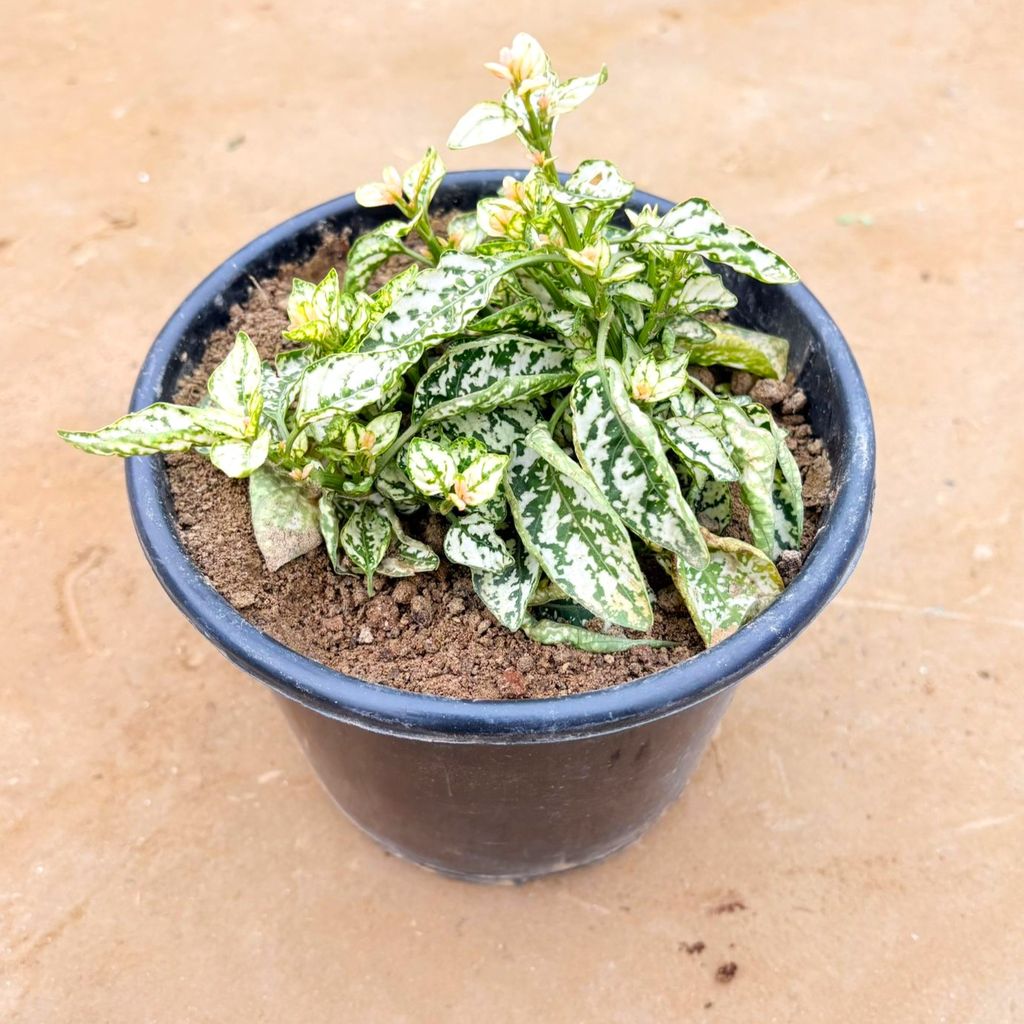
[386, 709]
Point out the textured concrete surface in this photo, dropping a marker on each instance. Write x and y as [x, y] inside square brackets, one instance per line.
[166, 855]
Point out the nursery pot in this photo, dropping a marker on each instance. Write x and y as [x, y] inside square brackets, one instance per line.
[507, 790]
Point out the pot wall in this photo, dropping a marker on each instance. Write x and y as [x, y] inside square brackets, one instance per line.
[506, 811]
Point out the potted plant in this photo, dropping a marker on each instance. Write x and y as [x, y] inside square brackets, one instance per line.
[523, 358]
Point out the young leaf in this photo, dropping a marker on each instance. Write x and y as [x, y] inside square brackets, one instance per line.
[239, 459]
[473, 542]
[157, 428]
[350, 381]
[437, 303]
[548, 631]
[477, 483]
[285, 519]
[738, 583]
[567, 524]
[365, 538]
[480, 375]
[595, 183]
[619, 444]
[233, 383]
[568, 95]
[396, 487]
[763, 355]
[330, 530]
[700, 292]
[315, 311]
[506, 593]
[696, 226]
[485, 122]
[430, 469]
[697, 445]
[421, 181]
[371, 250]
[754, 453]
[407, 555]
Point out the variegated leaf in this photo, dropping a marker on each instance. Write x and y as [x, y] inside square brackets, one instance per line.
[548, 631]
[315, 311]
[480, 375]
[371, 250]
[763, 355]
[711, 501]
[473, 542]
[787, 495]
[523, 314]
[330, 530]
[506, 593]
[240, 459]
[421, 181]
[619, 444]
[157, 428]
[595, 183]
[365, 538]
[407, 556]
[233, 383]
[437, 303]
[697, 445]
[499, 429]
[285, 518]
[738, 583]
[396, 487]
[700, 292]
[350, 381]
[568, 525]
[485, 122]
[754, 454]
[430, 468]
[568, 95]
[478, 482]
[281, 384]
[696, 226]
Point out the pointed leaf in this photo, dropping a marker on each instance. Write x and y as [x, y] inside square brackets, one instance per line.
[738, 583]
[763, 355]
[568, 95]
[754, 454]
[371, 250]
[568, 526]
[421, 181]
[437, 303]
[474, 543]
[485, 122]
[711, 501]
[365, 538]
[157, 428]
[483, 374]
[285, 519]
[548, 631]
[239, 459]
[330, 530]
[237, 378]
[506, 593]
[619, 444]
[430, 468]
[787, 494]
[697, 445]
[407, 555]
[595, 183]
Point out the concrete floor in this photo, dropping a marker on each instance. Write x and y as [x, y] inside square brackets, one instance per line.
[166, 855]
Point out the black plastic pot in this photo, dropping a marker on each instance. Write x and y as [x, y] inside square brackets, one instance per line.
[507, 790]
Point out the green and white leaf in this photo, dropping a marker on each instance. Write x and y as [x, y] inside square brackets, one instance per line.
[697, 445]
[548, 631]
[764, 355]
[754, 453]
[696, 226]
[240, 459]
[371, 250]
[484, 122]
[285, 518]
[407, 556]
[568, 525]
[701, 292]
[350, 381]
[787, 494]
[738, 583]
[620, 446]
[421, 181]
[157, 428]
[711, 501]
[396, 487]
[473, 542]
[595, 183]
[365, 538]
[506, 592]
[430, 468]
[233, 383]
[480, 375]
[568, 95]
[330, 530]
[437, 303]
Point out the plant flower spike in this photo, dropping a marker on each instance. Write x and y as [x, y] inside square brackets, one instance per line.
[529, 378]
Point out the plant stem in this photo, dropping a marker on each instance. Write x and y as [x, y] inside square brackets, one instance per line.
[559, 411]
[426, 232]
[602, 338]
